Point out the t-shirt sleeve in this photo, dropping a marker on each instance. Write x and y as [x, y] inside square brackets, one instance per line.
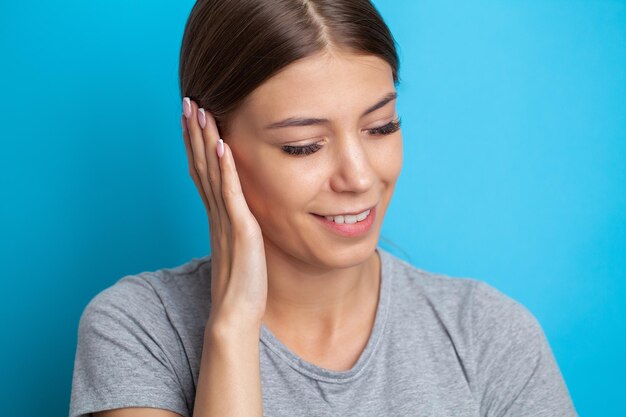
[126, 353]
[516, 372]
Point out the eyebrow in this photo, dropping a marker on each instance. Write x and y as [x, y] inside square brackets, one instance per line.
[298, 121]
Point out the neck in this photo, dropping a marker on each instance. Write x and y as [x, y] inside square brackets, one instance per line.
[323, 302]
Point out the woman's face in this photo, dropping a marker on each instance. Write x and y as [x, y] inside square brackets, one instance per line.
[351, 169]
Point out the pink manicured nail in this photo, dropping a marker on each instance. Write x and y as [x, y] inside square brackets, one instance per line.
[187, 107]
[220, 147]
[201, 118]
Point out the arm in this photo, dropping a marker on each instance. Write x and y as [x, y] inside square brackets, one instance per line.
[229, 383]
[230, 374]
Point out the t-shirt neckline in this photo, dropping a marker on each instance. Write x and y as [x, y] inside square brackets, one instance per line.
[328, 375]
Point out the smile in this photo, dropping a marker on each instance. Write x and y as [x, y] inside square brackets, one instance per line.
[348, 218]
[350, 225]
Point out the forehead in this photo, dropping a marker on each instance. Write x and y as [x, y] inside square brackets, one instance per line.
[323, 83]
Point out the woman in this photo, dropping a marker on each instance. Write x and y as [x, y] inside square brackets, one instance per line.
[294, 143]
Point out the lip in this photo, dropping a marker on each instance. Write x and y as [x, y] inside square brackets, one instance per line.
[350, 230]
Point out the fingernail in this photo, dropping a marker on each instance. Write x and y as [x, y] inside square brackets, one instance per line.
[187, 107]
[201, 117]
[220, 147]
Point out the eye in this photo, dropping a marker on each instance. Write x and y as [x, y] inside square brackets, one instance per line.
[301, 150]
[387, 129]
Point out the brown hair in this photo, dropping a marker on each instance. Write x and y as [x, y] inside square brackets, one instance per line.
[230, 47]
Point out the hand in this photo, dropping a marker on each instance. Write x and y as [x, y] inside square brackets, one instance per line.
[238, 267]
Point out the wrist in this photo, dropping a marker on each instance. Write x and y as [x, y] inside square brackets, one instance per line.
[226, 328]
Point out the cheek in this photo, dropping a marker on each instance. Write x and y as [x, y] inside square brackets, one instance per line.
[274, 188]
[256, 187]
[397, 158]
[387, 159]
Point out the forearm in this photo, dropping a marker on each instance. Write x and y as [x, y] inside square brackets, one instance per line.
[229, 383]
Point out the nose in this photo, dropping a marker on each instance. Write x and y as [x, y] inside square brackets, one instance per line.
[353, 170]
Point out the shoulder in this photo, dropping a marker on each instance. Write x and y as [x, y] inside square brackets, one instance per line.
[421, 288]
[147, 312]
[127, 293]
[476, 316]
[125, 318]
[501, 345]
[482, 302]
[131, 342]
[151, 295]
[130, 298]
[496, 314]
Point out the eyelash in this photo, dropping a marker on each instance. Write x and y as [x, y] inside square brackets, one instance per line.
[387, 129]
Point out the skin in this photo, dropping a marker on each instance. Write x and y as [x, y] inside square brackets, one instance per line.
[322, 288]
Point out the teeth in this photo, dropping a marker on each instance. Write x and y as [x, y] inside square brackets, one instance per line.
[336, 219]
[349, 219]
[362, 216]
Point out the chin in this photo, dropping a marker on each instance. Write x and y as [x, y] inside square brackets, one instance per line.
[339, 255]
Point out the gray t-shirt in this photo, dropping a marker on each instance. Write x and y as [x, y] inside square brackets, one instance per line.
[440, 346]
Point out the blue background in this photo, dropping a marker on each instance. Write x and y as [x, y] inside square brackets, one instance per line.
[514, 121]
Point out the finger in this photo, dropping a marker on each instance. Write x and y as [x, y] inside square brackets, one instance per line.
[200, 162]
[213, 233]
[194, 175]
[236, 205]
[210, 135]
[190, 163]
